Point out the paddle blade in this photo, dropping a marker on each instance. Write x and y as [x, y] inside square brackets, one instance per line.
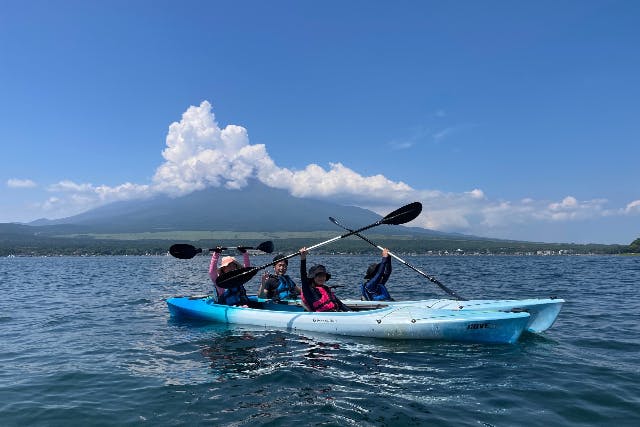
[403, 215]
[184, 251]
[266, 247]
[234, 278]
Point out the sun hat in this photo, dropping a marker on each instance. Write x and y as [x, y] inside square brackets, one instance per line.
[318, 269]
[371, 271]
[228, 260]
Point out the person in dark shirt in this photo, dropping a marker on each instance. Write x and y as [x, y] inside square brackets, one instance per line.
[279, 286]
[374, 289]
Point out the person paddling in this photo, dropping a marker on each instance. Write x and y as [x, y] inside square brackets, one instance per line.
[316, 295]
[374, 289]
[231, 296]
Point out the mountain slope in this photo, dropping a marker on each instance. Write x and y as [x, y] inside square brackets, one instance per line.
[254, 208]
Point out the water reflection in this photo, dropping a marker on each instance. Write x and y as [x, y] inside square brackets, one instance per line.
[254, 353]
[235, 354]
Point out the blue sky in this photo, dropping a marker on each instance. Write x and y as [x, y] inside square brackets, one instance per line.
[506, 119]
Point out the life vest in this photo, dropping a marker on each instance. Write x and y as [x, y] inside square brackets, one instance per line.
[234, 296]
[326, 302]
[286, 288]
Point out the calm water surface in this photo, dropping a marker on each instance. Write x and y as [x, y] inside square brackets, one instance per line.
[89, 341]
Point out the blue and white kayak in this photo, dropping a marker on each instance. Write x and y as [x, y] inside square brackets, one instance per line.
[401, 321]
[543, 312]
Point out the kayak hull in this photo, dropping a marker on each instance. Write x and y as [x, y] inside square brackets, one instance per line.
[399, 322]
[543, 311]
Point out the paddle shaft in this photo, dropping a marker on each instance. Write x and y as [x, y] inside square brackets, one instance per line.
[186, 251]
[399, 216]
[264, 247]
[326, 242]
[431, 278]
[317, 245]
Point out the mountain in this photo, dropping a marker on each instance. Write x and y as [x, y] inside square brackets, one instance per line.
[256, 208]
[253, 208]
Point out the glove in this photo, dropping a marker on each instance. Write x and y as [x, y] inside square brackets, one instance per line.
[241, 249]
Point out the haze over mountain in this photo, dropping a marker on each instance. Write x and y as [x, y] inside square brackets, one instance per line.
[256, 207]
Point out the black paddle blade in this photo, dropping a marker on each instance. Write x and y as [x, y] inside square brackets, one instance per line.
[234, 278]
[335, 221]
[184, 251]
[403, 215]
[266, 247]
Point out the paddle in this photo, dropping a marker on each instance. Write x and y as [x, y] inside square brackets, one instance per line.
[186, 251]
[241, 276]
[431, 278]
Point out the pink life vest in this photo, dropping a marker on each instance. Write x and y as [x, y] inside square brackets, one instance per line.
[326, 301]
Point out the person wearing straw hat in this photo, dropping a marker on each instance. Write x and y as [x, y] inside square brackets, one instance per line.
[231, 296]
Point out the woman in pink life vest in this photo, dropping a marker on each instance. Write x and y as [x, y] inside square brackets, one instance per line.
[316, 295]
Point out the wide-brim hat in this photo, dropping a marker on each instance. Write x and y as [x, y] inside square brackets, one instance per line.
[228, 260]
[318, 269]
[371, 271]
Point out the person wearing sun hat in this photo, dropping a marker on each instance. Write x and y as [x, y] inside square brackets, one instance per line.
[316, 295]
[374, 289]
[230, 296]
[226, 262]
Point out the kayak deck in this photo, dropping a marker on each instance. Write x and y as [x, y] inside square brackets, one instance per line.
[543, 311]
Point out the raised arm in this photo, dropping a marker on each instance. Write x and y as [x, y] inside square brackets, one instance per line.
[386, 260]
[213, 265]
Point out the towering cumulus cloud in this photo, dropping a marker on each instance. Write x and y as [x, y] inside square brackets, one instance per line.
[200, 154]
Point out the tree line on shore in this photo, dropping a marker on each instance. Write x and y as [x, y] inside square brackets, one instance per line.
[53, 246]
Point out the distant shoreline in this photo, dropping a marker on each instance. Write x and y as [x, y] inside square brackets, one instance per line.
[285, 242]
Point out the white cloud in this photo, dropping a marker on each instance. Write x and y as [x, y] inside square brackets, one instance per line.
[71, 187]
[51, 204]
[568, 202]
[633, 207]
[102, 193]
[473, 213]
[73, 198]
[476, 194]
[401, 145]
[439, 136]
[200, 154]
[21, 183]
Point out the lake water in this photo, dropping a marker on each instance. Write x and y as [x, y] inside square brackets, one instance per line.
[89, 341]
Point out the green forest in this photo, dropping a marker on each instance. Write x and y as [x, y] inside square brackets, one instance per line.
[18, 244]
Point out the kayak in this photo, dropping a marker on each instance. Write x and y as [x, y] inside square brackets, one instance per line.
[543, 311]
[392, 321]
